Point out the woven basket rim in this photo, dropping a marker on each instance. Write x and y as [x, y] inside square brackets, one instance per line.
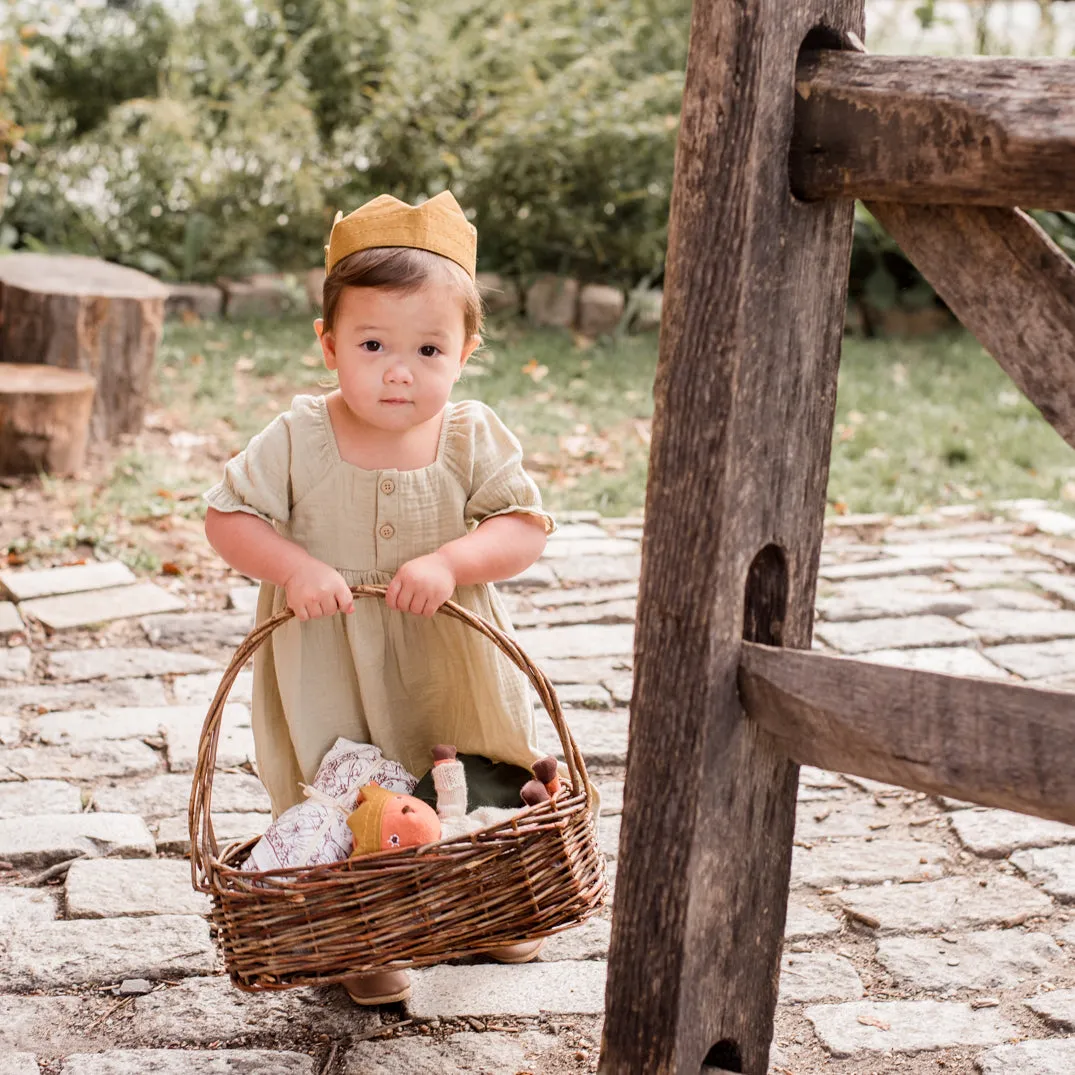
[208, 872]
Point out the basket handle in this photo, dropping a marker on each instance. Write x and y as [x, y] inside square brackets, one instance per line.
[203, 843]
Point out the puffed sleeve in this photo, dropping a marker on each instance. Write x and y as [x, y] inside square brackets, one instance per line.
[499, 484]
[258, 479]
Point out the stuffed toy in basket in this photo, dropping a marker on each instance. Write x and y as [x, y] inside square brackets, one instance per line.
[536, 873]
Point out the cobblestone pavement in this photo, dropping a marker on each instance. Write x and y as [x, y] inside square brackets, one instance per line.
[923, 935]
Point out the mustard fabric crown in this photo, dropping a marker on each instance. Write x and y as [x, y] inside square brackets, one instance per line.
[437, 225]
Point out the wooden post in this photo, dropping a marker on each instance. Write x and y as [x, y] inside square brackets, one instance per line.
[745, 393]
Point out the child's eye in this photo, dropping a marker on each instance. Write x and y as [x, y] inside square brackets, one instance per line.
[428, 351]
[372, 346]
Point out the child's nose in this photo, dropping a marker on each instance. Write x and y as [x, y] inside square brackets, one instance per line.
[398, 373]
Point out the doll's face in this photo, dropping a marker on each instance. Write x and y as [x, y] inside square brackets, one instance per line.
[397, 353]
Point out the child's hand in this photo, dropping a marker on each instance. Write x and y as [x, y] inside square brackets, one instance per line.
[315, 589]
[421, 585]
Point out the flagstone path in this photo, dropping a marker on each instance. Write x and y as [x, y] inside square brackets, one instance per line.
[923, 935]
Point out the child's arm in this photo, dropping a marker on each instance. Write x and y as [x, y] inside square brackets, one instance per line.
[254, 548]
[498, 548]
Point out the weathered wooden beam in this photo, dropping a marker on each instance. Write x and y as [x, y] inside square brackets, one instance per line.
[935, 130]
[1009, 283]
[750, 340]
[1000, 744]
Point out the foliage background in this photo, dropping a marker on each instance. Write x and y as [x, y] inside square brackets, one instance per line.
[218, 137]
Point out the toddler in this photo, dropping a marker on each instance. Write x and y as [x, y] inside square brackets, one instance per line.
[384, 481]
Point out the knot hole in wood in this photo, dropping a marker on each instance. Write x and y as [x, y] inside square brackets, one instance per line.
[724, 1056]
[765, 603]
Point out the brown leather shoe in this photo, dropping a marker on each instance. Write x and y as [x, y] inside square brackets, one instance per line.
[523, 952]
[384, 987]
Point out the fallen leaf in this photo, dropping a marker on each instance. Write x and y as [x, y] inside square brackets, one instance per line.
[170, 568]
[15, 560]
[869, 1020]
[535, 371]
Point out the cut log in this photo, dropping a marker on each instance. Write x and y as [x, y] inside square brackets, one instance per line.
[935, 130]
[44, 419]
[999, 744]
[85, 314]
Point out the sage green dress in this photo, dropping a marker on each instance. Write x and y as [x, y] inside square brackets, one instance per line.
[399, 681]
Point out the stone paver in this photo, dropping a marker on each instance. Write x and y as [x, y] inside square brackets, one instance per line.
[187, 1062]
[528, 989]
[858, 944]
[25, 798]
[998, 959]
[18, 1064]
[1019, 626]
[117, 663]
[949, 661]
[10, 621]
[173, 833]
[198, 629]
[1052, 867]
[1029, 1058]
[465, 1052]
[100, 606]
[950, 904]
[109, 692]
[200, 1011]
[55, 837]
[1036, 660]
[59, 954]
[905, 1026]
[108, 888]
[244, 599]
[883, 568]
[25, 585]
[804, 923]
[812, 976]
[168, 794]
[1056, 1008]
[201, 689]
[578, 641]
[861, 863]
[15, 663]
[23, 906]
[79, 761]
[602, 737]
[997, 833]
[908, 632]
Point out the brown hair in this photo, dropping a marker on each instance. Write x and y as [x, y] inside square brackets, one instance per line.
[400, 268]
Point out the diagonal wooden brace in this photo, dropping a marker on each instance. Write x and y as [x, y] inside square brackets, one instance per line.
[1000, 744]
[1009, 283]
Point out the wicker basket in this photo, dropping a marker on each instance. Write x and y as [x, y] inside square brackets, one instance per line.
[531, 876]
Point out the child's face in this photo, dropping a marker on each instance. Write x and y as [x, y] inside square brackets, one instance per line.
[397, 353]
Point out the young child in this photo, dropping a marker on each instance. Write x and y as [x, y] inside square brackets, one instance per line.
[384, 481]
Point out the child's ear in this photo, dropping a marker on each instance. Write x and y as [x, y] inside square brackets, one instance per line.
[328, 344]
[469, 348]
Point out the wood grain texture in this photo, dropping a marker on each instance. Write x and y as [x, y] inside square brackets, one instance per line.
[87, 314]
[1009, 283]
[935, 130]
[745, 390]
[1000, 744]
[44, 419]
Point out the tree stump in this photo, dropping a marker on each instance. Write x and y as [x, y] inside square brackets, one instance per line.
[81, 313]
[44, 418]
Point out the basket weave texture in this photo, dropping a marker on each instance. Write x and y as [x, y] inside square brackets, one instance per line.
[538, 873]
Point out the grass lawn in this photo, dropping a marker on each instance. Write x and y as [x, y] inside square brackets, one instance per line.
[919, 424]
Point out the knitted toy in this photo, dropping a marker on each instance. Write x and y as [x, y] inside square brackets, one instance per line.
[384, 820]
